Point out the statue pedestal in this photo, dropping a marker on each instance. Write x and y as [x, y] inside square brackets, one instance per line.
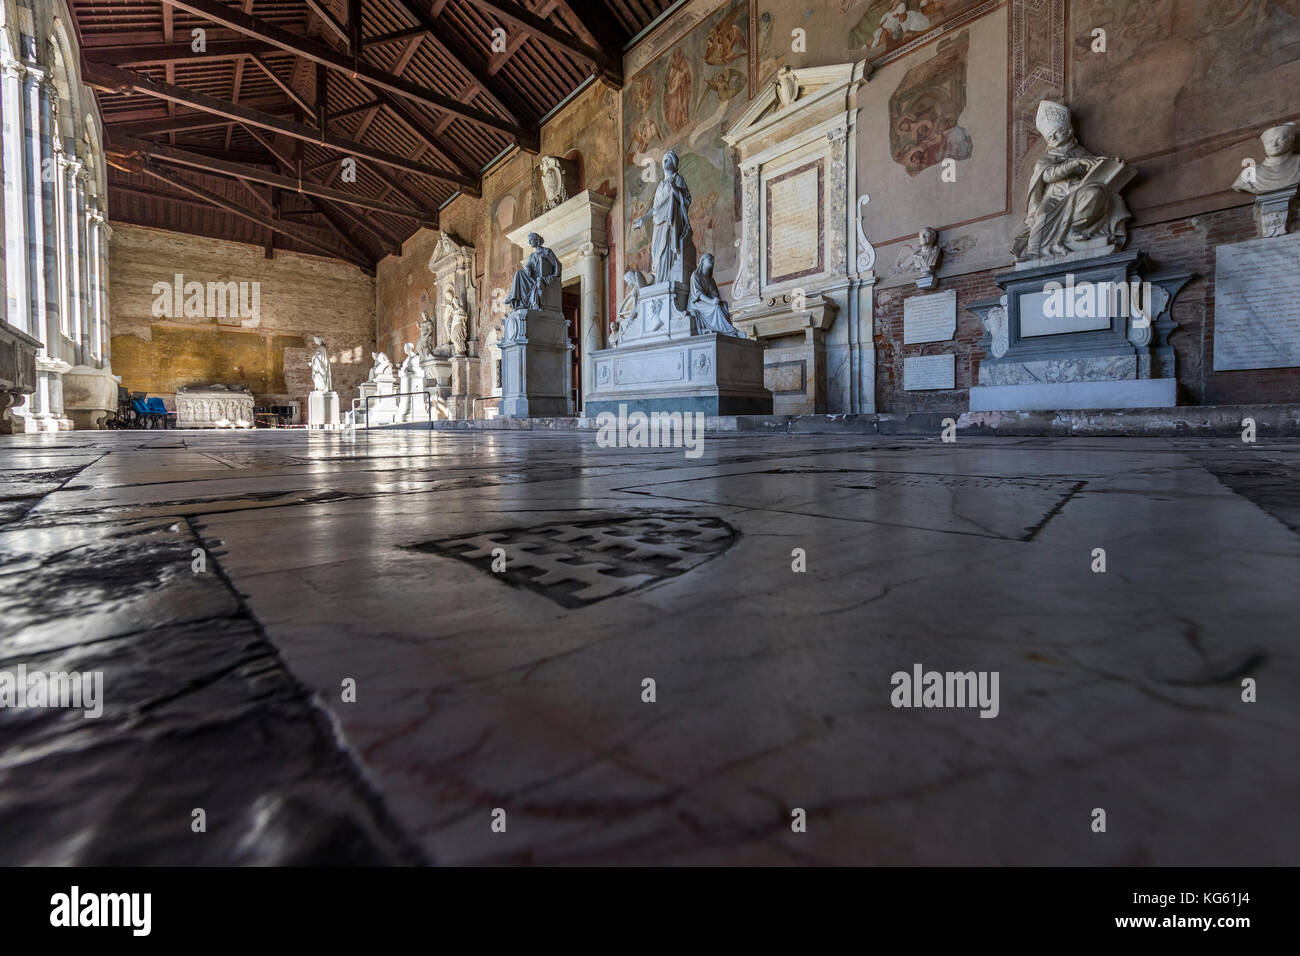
[660, 315]
[1273, 212]
[464, 385]
[1090, 334]
[382, 410]
[534, 364]
[714, 374]
[323, 410]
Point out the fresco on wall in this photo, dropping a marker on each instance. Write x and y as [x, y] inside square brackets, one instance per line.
[925, 108]
[1201, 89]
[843, 30]
[684, 99]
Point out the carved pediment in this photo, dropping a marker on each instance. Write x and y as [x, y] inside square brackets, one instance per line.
[448, 247]
[790, 93]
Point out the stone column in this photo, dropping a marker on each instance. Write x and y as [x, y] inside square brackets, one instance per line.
[593, 296]
[98, 313]
[15, 218]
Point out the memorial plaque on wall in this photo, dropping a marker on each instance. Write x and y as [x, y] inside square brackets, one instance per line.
[925, 372]
[1257, 304]
[795, 223]
[930, 318]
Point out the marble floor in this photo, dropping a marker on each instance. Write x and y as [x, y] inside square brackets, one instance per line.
[498, 601]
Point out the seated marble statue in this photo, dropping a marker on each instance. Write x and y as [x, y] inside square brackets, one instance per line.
[1073, 194]
[539, 272]
[628, 307]
[1280, 168]
[705, 304]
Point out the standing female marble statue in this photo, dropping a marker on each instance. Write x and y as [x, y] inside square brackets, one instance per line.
[706, 305]
[534, 277]
[322, 379]
[412, 380]
[1073, 195]
[672, 224]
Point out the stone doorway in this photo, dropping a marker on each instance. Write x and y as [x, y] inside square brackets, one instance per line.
[571, 306]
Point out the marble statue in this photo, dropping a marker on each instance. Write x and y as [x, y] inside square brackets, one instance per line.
[672, 225]
[1280, 168]
[428, 334]
[412, 381]
[539, 272]
[1073, 195]
[322, 379]
[458, 326]
[706, 305]
[627, 308]
[787, 86]
[382, 367]
[925, 260]
[552, 182]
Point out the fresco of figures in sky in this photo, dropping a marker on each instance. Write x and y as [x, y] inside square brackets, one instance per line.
[685, 99]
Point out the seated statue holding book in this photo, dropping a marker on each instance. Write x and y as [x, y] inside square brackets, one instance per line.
[1073, 195]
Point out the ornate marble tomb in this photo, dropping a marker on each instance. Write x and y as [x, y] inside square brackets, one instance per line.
[213, 406]
[1082, 324]
[799, 249]
[678, 350]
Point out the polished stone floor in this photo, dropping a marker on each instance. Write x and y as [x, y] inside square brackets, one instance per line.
[480, 688]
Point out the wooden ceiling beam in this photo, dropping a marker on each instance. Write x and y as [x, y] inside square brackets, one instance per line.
[297, 233]
[354, 67]
[609, 68]
[115, 80]
[211, 164]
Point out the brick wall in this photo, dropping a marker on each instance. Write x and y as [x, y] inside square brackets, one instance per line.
[1186, 243]
[299, 296]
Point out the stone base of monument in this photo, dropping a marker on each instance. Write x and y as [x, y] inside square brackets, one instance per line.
[323, 410]
[1132, 393]
[464, 384]
[714, 374]
[89, 395]
[534, 364]
[1085, 333]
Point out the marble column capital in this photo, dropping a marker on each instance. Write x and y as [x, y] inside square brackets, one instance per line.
[12, 67]
[591, 249]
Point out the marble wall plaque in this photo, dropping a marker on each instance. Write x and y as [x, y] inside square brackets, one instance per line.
[1257, 304]
[930, 318]
[1093, 317]
[795, 223]
[924, 372]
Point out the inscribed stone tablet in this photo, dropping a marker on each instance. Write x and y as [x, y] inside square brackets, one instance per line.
[794, 223]
[930, 318]
[923, 372]
[1257, 304]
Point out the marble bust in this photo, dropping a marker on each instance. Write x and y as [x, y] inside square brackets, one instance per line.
[706, 305]
[539, 273]
[322, 379]
[926, 257]
[671, 241]
[382, 367]
[1280, 168]
[1073, 194]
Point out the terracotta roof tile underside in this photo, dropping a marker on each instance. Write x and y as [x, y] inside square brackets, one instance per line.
[440, 53]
